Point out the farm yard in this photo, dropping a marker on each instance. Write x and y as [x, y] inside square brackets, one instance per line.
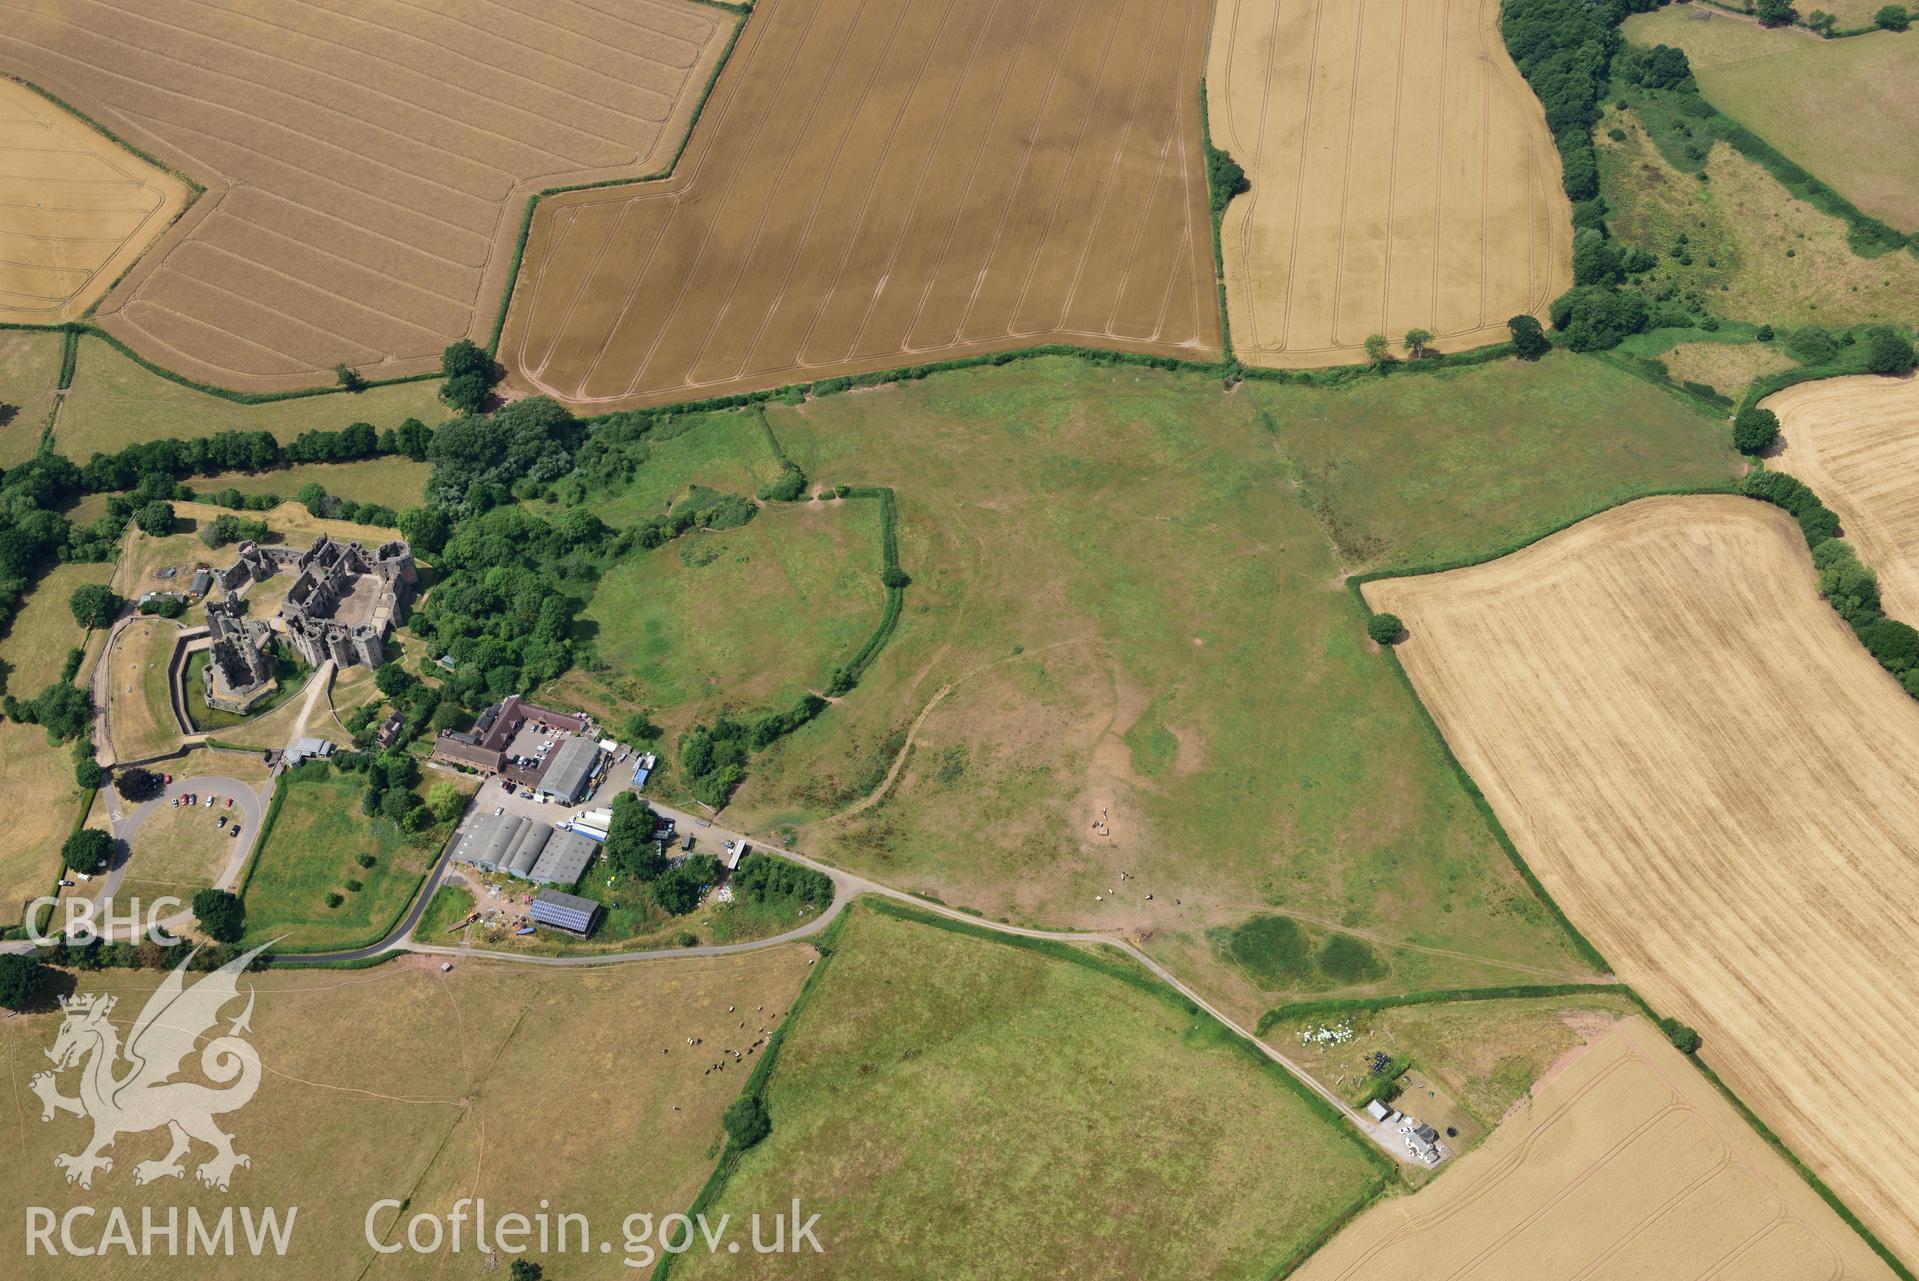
[80, 209]
[1714, 779]
[1627, 1163]
[1062, 1105]
[1808, 97]
[1855, 441]
[875, 185]
[366, 168]
[1402, 177]
[431, 1093]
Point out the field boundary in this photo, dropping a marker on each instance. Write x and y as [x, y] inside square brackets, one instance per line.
[1454, 996]
[1582, 944]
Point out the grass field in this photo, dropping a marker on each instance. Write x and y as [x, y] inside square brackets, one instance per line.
[1808, 97]
[890, 184]
[398, 483]
[1084, 1125]
[29, 372]
[1402, 177]
[1726, 367]
[747, 618]
[114, 403]
[1413, 471]
[364, 197]
[312, 851]
[1627, 1164]
[441, 1091]
[82, 209]
[1124, 583]
[30, 856]
[725, 451]
[139, 705]
[34, 647]
[1756, 253]
[1715, 783]
[1854, 441]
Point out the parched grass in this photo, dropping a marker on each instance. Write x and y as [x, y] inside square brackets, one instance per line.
[725, 450]
[40, 774]
[139, 706]
[1009, 1113]
[312, 851]
[1757, 253]
[29, 373]
[1407, 471]
[205, 718]
[1126, 610]
[1726, 367]
[114, 402]
[1832, 106]
[180, 851]
[450, 905]
[398, 483]
[34, 648]
[748, 618]
[403, 1081]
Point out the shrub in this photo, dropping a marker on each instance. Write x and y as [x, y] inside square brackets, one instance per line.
[1764, 333]
[1683, 1038]
[334, 898]
[1775, 13]
[1812, 344]
[365, 860]
[1888, 353]
[1894, 17]
[349, 377]
[354, 886]
[790, 487]
[1529, 338]
[1350, 960]
[746, 1121]
[1754, 430]
[222, 916]
[1224, 179]
[1384, 628]
[1598, 318]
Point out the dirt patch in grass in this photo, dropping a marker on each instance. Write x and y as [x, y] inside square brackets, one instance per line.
[1061, 1106]
[1402, 177]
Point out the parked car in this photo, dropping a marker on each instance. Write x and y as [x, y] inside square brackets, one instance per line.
[686, 842]
[229, 802]
[221, 821]
[69, 884]
[234, 830]
[211, 800]
[176, 802]
[498, 810]
[166, 778]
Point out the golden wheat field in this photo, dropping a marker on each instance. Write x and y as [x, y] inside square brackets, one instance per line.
[1626, 1163]
[1402, 177]
[1856, 442]
[367, 164]
[879, 183]
[1721, 788]
[75, 209]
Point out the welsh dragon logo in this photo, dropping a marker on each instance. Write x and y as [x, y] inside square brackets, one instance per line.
[130, 1089]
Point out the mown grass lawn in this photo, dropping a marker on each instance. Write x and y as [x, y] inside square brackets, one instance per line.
[312, 851]
[951, 1105]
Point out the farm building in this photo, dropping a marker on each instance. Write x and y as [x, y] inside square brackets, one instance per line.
[564, 858]
[572, 764]
[484, 746]
[568, 912]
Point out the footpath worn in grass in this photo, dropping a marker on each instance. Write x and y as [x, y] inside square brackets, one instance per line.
[1083, 1124]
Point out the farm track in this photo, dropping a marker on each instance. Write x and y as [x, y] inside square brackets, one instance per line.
[1401, 177]
[1713, 778]
[884, 182]
[366, 164]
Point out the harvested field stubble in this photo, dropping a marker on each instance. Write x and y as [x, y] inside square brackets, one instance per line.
[1402, 176]
[367, 164]
[891, 183]
[1715, 781]
[78, 209]
[1856, 442]
[1626, 1164]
